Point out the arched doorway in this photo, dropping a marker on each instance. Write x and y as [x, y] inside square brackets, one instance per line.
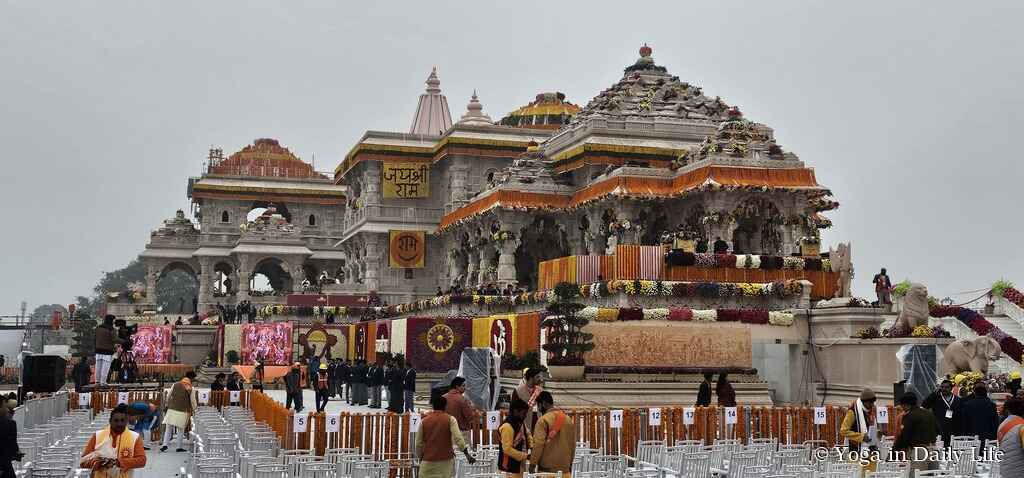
[261, 208]
[270, 277]
[177, 289]
[543, 240]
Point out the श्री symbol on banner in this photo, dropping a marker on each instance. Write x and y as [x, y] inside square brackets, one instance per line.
[407, 249]
[405, 180]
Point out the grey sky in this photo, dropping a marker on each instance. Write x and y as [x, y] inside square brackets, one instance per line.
[909, 111]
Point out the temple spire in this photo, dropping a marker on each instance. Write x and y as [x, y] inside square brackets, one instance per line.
[432, 116]
[475, 113]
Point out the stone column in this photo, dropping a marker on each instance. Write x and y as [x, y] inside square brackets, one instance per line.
[459, 177]
[507, 262]
[455, 268]
[205, 271]
[627, 210]
[471, 268]
[243, 278]
[486, 252]
[371, 186]
[374, 250]
[152, 273]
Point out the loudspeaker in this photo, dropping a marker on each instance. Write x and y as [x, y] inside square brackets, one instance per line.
[43, 373]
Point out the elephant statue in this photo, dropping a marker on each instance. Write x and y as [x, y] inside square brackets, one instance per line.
[970, 355]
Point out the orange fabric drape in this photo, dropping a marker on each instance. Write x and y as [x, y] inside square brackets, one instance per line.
[527, 333]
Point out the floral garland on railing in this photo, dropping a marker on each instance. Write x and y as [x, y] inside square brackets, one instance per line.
[678, 257]
[1014, 296]
[981, 326]
[781, 289]
[682, 314]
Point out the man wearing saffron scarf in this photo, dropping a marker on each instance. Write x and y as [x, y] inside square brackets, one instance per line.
[554, 438]
[859, 427]
[179, 410]
[114, 451]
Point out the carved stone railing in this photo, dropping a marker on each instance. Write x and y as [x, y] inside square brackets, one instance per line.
[381, 213]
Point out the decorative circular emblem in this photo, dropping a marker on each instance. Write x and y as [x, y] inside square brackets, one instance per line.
[440, 338]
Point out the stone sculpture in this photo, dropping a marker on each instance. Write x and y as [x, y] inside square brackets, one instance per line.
[915, 308]
[842, 263]
[972, 355]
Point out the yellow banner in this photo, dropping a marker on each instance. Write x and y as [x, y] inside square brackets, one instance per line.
[407, 249]
[406, 180]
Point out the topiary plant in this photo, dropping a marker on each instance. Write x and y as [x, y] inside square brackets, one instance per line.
[566, 340]
[232, 357]
[999, 287]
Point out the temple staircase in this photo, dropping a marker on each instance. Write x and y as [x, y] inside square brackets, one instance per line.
[960, 331]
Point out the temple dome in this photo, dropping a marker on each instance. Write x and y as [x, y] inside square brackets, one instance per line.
[475, 113]
[546, 111]
[647, 90]
[265, 157]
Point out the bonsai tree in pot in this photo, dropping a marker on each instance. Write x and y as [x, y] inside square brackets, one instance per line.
[567, 342]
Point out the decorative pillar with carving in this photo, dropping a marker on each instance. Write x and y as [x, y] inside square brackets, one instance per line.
[455, 268]
[627, 211]
[507, 260]
[486, 255]
[459, 178]
[471, 268]
[374, 250]
[205, 273]
[244, 275]
[152, 274]
[371, 191]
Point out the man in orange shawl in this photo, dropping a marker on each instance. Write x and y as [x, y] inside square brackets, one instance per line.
[114, 451]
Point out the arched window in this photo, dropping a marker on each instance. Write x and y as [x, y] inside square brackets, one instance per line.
[312, 220]
[224, 217]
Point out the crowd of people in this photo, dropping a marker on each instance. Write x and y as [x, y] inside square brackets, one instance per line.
[356, 383]
[944, 414]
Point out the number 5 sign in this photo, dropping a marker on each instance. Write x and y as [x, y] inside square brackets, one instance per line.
[654, 418]
[300, 424]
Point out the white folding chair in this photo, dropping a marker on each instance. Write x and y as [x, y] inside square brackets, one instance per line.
[696, 465]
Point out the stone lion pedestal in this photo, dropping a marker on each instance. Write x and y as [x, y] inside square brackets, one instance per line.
[846, 365]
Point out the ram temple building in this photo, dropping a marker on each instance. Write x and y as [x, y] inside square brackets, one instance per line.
[689, 233]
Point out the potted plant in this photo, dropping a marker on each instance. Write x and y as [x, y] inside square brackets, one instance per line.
[999, 288]
[567, 342]
[810, 246]
[898, 292]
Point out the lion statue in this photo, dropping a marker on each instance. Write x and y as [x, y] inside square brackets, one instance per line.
[915, 308]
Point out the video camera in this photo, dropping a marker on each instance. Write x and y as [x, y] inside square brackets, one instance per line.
[125, 332]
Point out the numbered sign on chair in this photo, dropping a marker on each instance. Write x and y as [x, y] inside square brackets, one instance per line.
[615, 418]
[689, 416]
[731, 416]
[414, 422]
[882, 415]
[333, 423]
[204, 397]
[301, 423]
[235, 396]
[493, 420]
[820, 418]
[83, 399]
[654, 417]
[122, 397]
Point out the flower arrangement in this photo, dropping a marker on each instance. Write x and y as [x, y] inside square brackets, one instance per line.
[1014, 296]
[967, 380]
[502, 236]
[793, 263]
[901, 289]
[810, 240]
[682, 258]
[868, 333]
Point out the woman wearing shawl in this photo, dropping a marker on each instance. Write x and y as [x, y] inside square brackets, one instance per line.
[515, 440]
[859, 428]
[180, 404]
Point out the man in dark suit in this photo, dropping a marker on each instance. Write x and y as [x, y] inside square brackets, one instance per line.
[980, 416]
[359, 383]
[947, 410]
[8, 442]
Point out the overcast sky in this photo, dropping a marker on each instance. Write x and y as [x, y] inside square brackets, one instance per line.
[909, 111]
